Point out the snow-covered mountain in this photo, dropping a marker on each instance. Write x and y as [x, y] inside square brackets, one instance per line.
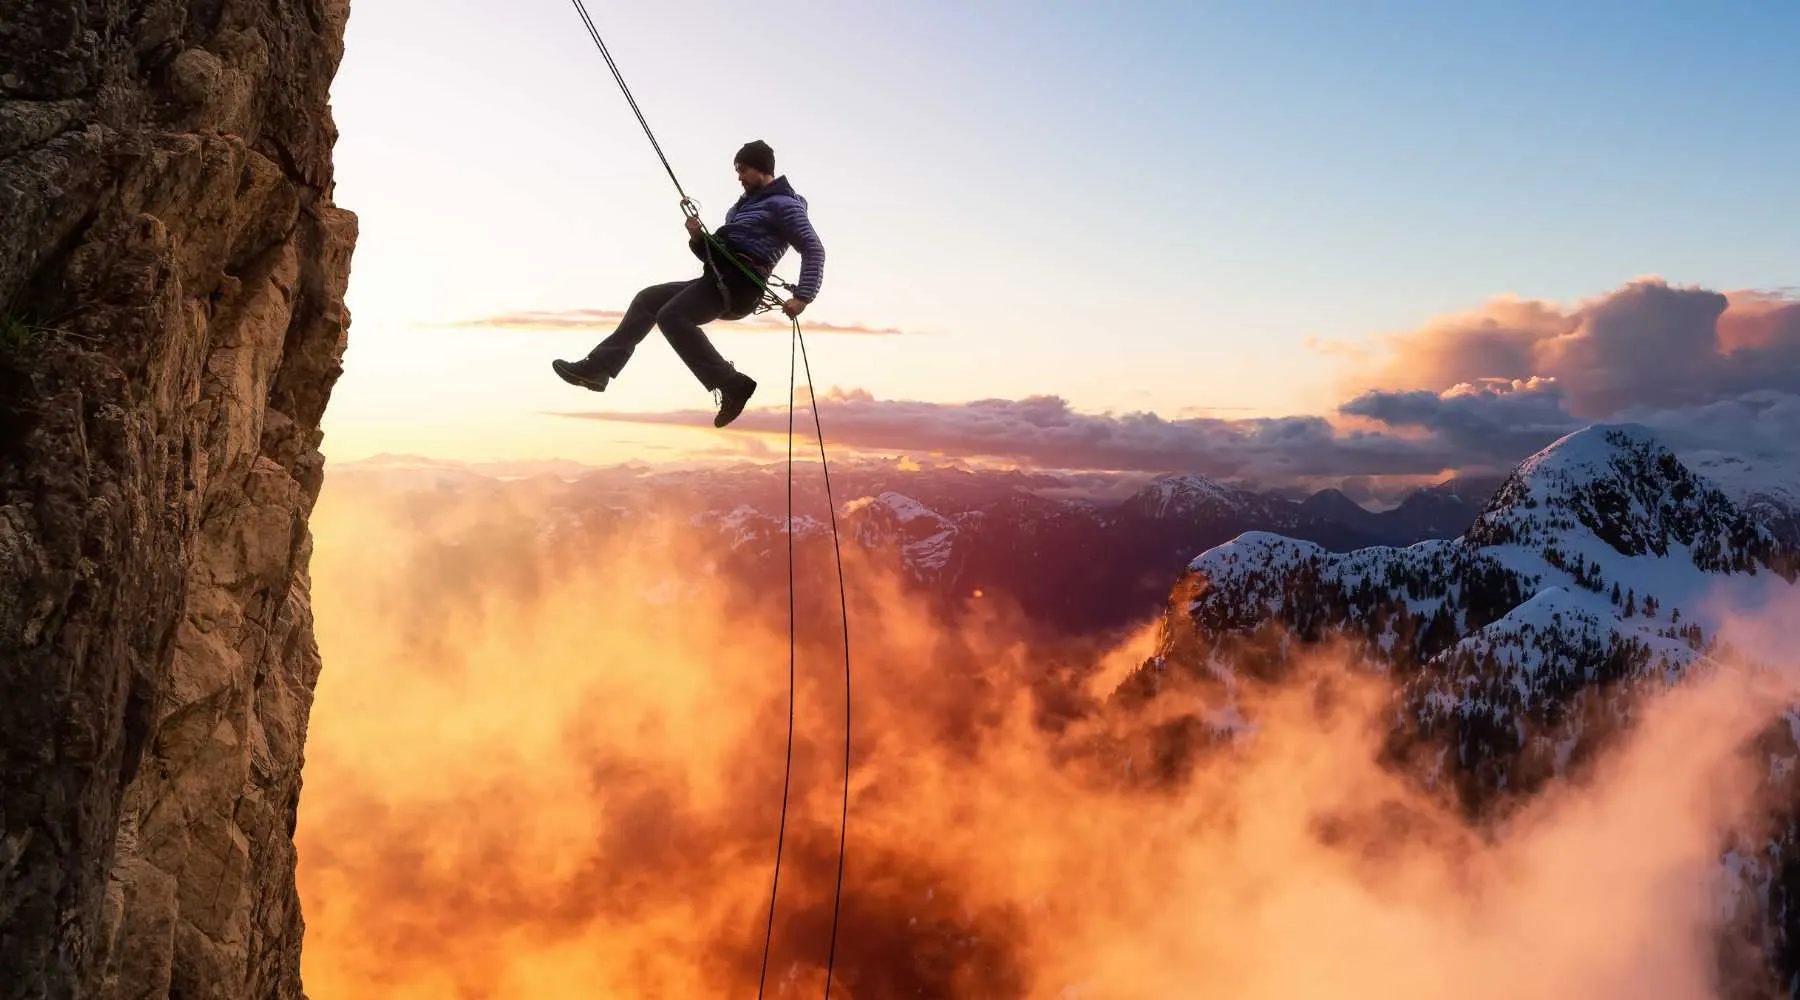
[1195, 496]
[1766, 487]
[1601, 558]
[1602, 564]
[1090, 565]
[925, 539]
[745, 528]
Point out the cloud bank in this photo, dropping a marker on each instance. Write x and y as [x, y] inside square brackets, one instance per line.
[1044, 431]
[1648, 345]
[1698, 365]
[1473, 392]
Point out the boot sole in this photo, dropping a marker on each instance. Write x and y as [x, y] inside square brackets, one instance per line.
[567, 373]
[723, 420]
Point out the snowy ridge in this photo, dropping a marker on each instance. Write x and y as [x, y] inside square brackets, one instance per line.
[902, 507]
[1601, 564]
[1191, 495]
[1634, 544]
[1398, 600]
[744, 526]
[1073, 551]
[925, 538]
[1632, 493]
[1746, 478]
[1766, 489]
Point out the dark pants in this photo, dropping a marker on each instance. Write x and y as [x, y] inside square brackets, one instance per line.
[679, 309]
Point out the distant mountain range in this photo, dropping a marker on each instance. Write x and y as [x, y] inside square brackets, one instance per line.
[1072, 564]
[1072, 552]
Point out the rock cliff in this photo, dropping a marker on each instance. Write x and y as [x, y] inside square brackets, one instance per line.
[172, 277]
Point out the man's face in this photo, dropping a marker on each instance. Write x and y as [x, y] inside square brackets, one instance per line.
[750, 177]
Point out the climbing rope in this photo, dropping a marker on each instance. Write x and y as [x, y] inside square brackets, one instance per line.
[796, 345]
[844, 617]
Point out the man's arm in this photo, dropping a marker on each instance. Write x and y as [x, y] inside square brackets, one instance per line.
[798, 230]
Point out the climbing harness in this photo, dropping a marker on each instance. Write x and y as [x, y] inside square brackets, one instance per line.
[797, 343]
[763, 276]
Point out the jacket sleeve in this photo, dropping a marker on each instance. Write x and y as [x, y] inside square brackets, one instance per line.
[797, 228]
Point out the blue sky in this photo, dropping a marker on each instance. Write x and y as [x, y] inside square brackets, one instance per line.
[1134, 206]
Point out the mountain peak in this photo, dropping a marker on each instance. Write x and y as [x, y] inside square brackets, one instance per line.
[1607, 518]
[904, 507]
[1334, 503]
[1626, 487]
[1595, 449]
[926, 538]
[1185, 494]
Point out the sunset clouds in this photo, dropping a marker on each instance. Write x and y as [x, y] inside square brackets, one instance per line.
[1647, 345]
[1706, 369]
[1476, 391]
[1495, 419]
[1043, 431]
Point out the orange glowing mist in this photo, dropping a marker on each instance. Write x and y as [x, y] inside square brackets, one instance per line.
[537, 770]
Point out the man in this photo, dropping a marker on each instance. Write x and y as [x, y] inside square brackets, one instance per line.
[759, 228]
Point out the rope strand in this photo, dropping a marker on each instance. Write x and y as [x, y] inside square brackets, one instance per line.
[843, 602]
[771, 299]
[781, 834]
[594, 33]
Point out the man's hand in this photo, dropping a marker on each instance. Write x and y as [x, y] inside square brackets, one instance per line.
[794, 306]
[693, 225]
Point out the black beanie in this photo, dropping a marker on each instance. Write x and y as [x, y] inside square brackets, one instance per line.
[757, 154]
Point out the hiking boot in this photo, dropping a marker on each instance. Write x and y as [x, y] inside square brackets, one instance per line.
[585, 373]
[732, 397]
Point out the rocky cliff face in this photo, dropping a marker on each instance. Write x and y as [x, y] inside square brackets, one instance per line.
[172, 273]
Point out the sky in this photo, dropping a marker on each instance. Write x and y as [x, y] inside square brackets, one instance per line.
[1222, 225]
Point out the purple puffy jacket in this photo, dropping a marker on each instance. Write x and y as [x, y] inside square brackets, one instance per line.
[766, 222]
